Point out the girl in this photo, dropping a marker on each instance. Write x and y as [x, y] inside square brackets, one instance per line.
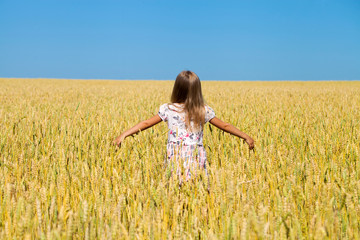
[186, 116]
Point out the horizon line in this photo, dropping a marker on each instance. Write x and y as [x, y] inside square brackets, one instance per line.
[210, 80]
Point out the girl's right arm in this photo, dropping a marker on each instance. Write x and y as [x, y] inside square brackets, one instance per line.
[226, 127]
[137, 128]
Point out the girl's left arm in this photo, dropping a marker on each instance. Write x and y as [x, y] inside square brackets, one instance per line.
[227, 127]
[137, 128]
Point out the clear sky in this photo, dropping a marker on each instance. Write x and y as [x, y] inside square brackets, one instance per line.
[156, 39]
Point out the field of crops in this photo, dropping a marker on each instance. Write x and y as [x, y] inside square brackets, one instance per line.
[61, 178]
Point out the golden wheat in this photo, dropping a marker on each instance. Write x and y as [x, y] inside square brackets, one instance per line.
[60, 177]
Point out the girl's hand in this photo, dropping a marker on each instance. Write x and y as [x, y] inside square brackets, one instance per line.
[118, 141]
[250, 142]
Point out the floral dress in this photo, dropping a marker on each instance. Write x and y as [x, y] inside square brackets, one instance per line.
[185, 150]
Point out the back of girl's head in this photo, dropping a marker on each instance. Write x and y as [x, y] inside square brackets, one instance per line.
[187, 87]
[187, 90]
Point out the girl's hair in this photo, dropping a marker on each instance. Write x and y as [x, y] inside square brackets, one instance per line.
[187, 90]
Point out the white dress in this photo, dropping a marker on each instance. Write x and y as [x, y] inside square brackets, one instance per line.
[185, 149]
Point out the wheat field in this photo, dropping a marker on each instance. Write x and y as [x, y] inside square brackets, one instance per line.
[61, 177]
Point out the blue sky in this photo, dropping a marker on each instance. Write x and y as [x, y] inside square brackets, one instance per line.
[156, 39]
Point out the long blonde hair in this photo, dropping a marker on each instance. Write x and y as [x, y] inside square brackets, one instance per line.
[187, 90]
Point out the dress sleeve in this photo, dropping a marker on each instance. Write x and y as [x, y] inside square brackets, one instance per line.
[163, 112]
[209, 113]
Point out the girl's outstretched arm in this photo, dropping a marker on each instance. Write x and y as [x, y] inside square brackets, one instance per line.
[137, 128]
[226, 127]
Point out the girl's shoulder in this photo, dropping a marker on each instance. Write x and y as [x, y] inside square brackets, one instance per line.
[209, 113]
[208, 108]
[164, 106]
[163, 112]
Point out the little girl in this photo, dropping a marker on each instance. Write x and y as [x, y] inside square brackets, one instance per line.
[186, 116]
